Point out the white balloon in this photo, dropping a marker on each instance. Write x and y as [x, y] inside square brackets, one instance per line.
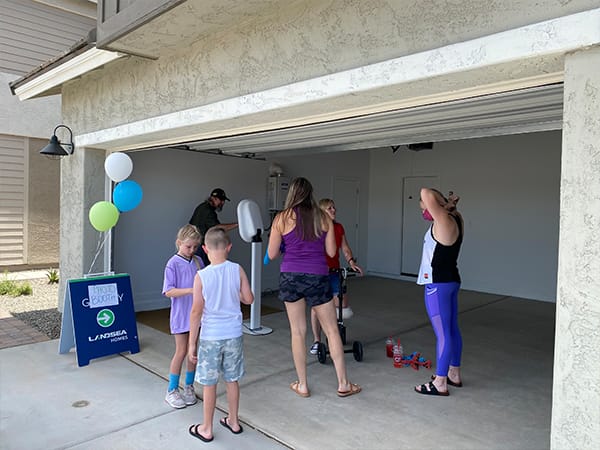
[118, 166]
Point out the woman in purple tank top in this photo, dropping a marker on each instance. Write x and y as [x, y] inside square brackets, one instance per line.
[303, 234]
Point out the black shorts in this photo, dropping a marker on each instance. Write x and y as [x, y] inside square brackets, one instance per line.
[315, 289]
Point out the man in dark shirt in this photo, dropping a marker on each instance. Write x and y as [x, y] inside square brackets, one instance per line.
[205, 217]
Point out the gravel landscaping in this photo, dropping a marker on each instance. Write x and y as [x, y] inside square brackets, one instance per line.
[39, 310]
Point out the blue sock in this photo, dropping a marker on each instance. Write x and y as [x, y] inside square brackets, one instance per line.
[173, 381]
[189, 378]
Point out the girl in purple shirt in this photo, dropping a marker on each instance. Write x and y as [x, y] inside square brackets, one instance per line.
[306, 234]
[178, 283]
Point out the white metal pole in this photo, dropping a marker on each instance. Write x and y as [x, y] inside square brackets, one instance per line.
[256, 285]
[253, 327]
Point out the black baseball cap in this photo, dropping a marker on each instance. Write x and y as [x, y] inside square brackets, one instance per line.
[219, 193]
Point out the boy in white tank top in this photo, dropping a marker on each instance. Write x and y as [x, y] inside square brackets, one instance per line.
[218, 290]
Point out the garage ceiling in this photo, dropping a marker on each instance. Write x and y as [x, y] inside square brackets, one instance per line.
[519, 111]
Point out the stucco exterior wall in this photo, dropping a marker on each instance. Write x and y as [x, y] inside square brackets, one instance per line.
[298, 41]
[84, 186]
[43, 209]
[575, 409]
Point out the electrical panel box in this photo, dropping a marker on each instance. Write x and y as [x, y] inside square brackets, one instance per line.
[277, 190]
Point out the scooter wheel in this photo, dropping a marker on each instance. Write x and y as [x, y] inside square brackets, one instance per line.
[357, 350]
[322, 353]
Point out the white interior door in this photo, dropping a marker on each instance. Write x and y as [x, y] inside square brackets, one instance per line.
[413, 225]
[345, 196]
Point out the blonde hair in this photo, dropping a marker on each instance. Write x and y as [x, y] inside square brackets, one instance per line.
[309, 216]
[217, 238]
[325, 203]
[186, 232]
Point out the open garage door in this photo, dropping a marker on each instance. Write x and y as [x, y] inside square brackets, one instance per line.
[518, 111]
[380, 223]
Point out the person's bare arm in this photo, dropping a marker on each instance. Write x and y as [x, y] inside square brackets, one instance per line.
[178, 292]
[175, 292]
[445, 229]
[246, 295]
[195, 318]
[228, 226]
[275, 237]
[349, 257]
[330, 246]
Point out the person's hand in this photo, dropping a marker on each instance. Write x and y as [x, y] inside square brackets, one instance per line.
[193, 356]
[452, 200]
[356, 269]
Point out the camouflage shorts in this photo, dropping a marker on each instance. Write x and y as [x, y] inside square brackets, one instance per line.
[222, 357]
[314, 289]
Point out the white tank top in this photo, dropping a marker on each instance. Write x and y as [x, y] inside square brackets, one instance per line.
[222, 315]
[439, 262]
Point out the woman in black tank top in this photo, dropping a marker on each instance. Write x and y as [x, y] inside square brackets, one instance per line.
[440, 277]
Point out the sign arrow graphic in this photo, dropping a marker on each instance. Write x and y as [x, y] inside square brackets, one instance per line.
[105, 318]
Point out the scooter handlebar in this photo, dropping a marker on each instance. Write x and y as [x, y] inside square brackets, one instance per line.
[346, 272]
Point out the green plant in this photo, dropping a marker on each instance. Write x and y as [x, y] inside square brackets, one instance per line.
[6, 286]
[52, 275]
[12, 288]
[22, 289]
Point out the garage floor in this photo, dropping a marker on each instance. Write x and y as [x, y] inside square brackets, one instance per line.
[117, 401]
[507, 373]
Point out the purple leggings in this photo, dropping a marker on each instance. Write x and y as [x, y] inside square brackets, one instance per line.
[441, 301]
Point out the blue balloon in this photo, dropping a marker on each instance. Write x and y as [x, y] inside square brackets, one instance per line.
[127, 195]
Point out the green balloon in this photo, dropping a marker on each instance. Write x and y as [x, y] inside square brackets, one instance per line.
[103, 215]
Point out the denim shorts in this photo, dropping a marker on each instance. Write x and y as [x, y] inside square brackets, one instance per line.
[314, 289]
[222, 357]
[334, 282]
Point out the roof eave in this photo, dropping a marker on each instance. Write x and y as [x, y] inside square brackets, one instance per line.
[48, 78]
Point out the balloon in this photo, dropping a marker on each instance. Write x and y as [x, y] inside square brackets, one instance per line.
[127, 195]
[103, 215]
[118, 166]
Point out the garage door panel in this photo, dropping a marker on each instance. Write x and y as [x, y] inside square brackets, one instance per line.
[528, 110]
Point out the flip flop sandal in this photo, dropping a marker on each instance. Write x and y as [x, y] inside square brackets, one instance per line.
[449, 381]
[354, 389]
[430, 389]
[295, 387]
[225, 423]
[194, 432]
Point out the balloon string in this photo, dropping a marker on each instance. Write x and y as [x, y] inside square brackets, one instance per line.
[99, 247]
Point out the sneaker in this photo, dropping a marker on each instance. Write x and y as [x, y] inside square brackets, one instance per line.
[314, 349]
[174, 399]
[189, 395]
[347, 313]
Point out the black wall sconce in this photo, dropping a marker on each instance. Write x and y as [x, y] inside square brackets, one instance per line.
[55, 149]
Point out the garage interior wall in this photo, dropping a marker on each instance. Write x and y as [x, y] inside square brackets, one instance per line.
[175, 182]
[509, 189]
[509, 197]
